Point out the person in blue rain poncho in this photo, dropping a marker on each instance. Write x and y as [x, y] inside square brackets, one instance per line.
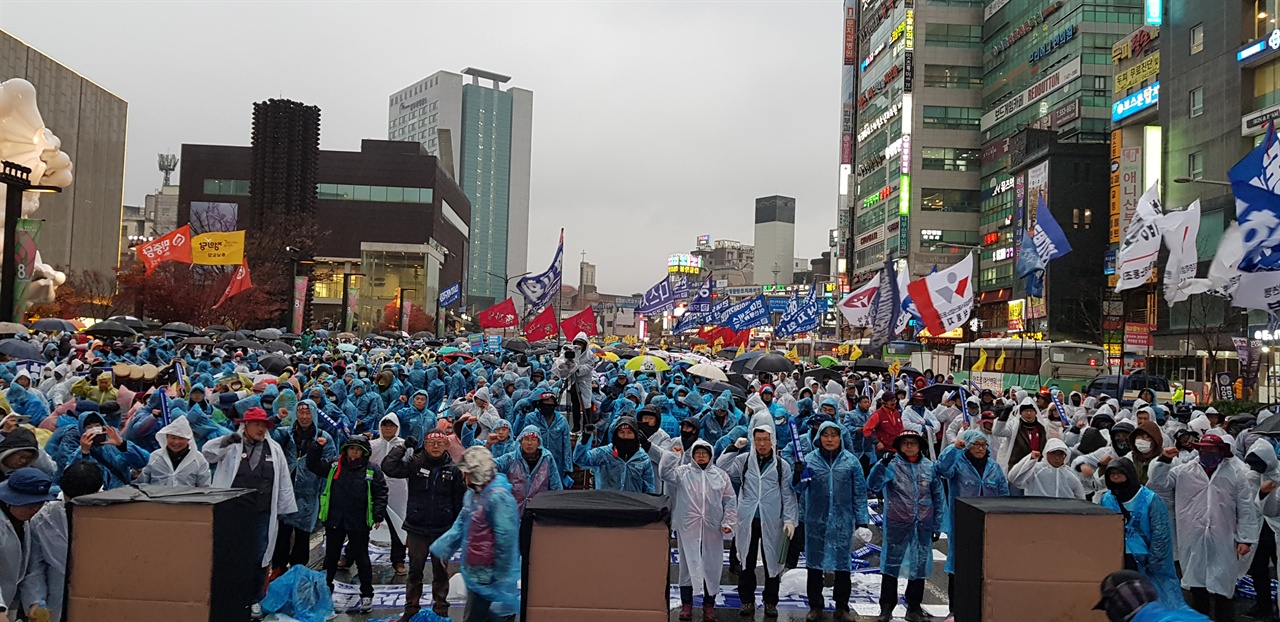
[416, 418]
[499, 440]
[969, 471]
[328, 416]
[418, 375]
[487, 533]
[530, 468]
[436, 389]
[853, 421]
[1148, 532]
[553, 429]
[102, 445]
[24, 401]
[834, 507]
[914, 506]
[722, 417]
[293, 534]
[369, 409]
[619, 465]
[767, 510]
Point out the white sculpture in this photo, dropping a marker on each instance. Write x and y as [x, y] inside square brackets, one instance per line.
[26, 141]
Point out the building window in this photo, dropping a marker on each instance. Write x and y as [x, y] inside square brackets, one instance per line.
[374, 194]
[1197, 38]
[1195, 165]
[953, 76]
[951, 118]
[947, 200]
[1197, 101]
[231, 187]
[950, 159]
[953, 35]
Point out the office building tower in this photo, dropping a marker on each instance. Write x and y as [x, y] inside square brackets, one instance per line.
[775, 240]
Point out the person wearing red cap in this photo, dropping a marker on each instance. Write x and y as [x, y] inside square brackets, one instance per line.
[250, 458]
[1218, 520]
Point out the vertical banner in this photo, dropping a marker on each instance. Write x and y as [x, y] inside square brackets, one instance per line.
[405, 307]
[24, 254]
[299, 303]
[352, 293]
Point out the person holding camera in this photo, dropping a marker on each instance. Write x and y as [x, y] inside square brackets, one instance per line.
[102, 445]
[574, 368]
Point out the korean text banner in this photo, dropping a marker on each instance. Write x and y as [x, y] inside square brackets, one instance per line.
[218, 249]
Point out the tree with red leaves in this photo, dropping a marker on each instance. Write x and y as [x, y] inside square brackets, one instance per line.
[418, 319]
[177, 293]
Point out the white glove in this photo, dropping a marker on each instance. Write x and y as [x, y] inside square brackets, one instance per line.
[863, 534]
[788, 529]
[740, 443]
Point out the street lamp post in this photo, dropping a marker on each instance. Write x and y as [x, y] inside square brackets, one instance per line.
[346, 293]
[17, 180]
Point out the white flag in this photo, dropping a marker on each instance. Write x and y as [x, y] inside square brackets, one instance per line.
[908, 307]
[1141, 244]
[1258, 290]
[856, 307]
[1180, 230]
[1223, 275]
[945, 298]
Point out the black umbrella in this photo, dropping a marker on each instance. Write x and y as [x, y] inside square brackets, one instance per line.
[740, 363]
[698, 341]
[393, 334]
[197, 341]
[772, 363]
[933, 393]
[50, 324]
[233, 335]
[737, 379]
[267, 334]
[217, 328]
[716, 387]
[278, 346]
[516, 344]
[247, 344]
[273, 363]
[128, 320]
[1270, 427]
[291, 336]
[19, 349]
[433, 343]
[110, 328]
[872, 365]
[422, 334]
[488, 358]
[181, 328]
[822, 374]
[727, 354]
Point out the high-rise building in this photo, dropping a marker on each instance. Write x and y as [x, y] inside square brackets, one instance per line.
[775, 241]
[484, 135]
[80, 223]
[915, 142]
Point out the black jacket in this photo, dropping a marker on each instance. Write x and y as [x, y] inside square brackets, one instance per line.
[435, 491]
[349, 494]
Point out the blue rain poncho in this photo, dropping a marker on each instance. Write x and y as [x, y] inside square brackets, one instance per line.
[914, 507]
[835, 503]
[964, 480]
[527, 483]
[1148, 536]
[300, 593]
[635, 474]
[487, 531]
[117, 463]
[416, 422]
[555, 438]
[307, 486]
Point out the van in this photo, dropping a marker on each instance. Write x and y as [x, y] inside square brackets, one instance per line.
[1125, 387]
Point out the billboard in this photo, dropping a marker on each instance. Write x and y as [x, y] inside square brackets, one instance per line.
[209, 217]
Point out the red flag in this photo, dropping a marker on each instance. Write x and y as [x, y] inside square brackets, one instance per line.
[172, 246]
[584, 322]
[541, 327]
[501, 315]
[239, 282]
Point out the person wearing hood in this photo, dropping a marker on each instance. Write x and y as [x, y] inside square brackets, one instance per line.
[1148, 533]
[101, 444]
[26, 401]
[488, 529]
[100, 392]
[1264, 476]
[416, 417]
[913, 512]
[435, 497]
[705, 511]
[19, 449]
[46, 575]
[354, 502]
[968, 471]
[620, 465]
[250, 458]
[479, 406]
[397, 489]
[853, 420]
[574, 368]
[721, 418]
[1020, 436]
[1047, 475]
[767, 510]
[553, 429]
[293, 536]
[1127, 596]
[499, 440]
[649, 421]
[836, 516]
[175, 464]
[1146, 443]
[917, 416]
[1218, 521]
[530, 469]
[22, 496]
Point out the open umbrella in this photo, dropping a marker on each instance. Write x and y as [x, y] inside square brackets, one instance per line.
[698, 341]
[933, 393]
[50, 324]
[740, 364]
[322, 333]
[279, 346]
[708, 371]
[197, 341]
[11, 328]
[217, 328]
[290, 336]
[273, 363]
[345, 336]
[19, 349]
[247, 344]
[828, 361]
[457, 356]
[727, 354]
[128, 320]
[394, 334]
[267, 334]
[449, 350]
[348, 347]
[715, 387]
[873, 365]
[772, 362]
[422, 334]
[110, 328]
[180, 328]
[516, 344]
[822, 374]
[488, 358]
[433, 343]
[647, 363]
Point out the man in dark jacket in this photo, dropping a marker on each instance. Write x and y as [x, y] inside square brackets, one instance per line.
[353, 502]
[436, 489]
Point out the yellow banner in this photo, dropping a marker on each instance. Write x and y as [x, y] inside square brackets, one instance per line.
[218, 249]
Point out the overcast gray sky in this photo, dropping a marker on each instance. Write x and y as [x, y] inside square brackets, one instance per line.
[654, 122]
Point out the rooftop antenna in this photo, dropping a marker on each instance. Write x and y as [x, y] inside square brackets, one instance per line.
[168, 164]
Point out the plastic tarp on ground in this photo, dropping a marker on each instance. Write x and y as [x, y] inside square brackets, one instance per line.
[301, 593]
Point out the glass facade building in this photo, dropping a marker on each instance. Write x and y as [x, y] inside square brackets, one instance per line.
[485, 176]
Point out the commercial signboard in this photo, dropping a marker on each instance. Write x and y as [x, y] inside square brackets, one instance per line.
[1033, 94]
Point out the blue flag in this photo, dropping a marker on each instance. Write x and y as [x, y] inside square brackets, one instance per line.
[720, 313]
[1255, 181]
[164, 407]
[539, 289]
[884, 309]
[690, 321]
[681, 289]
[794, 302]
[1050, 242]
[701, 302]
[806, 318]
[451, 294]
[658, 299]
[749, 314]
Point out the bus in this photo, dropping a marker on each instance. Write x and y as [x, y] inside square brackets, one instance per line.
[810, 350]
[900, 351]
[1032, 365]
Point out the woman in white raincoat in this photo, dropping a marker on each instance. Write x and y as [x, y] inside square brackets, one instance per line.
[397, 488]
[706, 509]
[766, 492]
[176, 462]
[1218, 521]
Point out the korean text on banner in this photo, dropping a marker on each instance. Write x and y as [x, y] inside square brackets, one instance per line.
[856, 307]
[584, 322]
[450, 294]
[218, 249]
[1141, 244]
[501, 315]
[172, 246]
[539, 289]
[541, 327]
[240, 281]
